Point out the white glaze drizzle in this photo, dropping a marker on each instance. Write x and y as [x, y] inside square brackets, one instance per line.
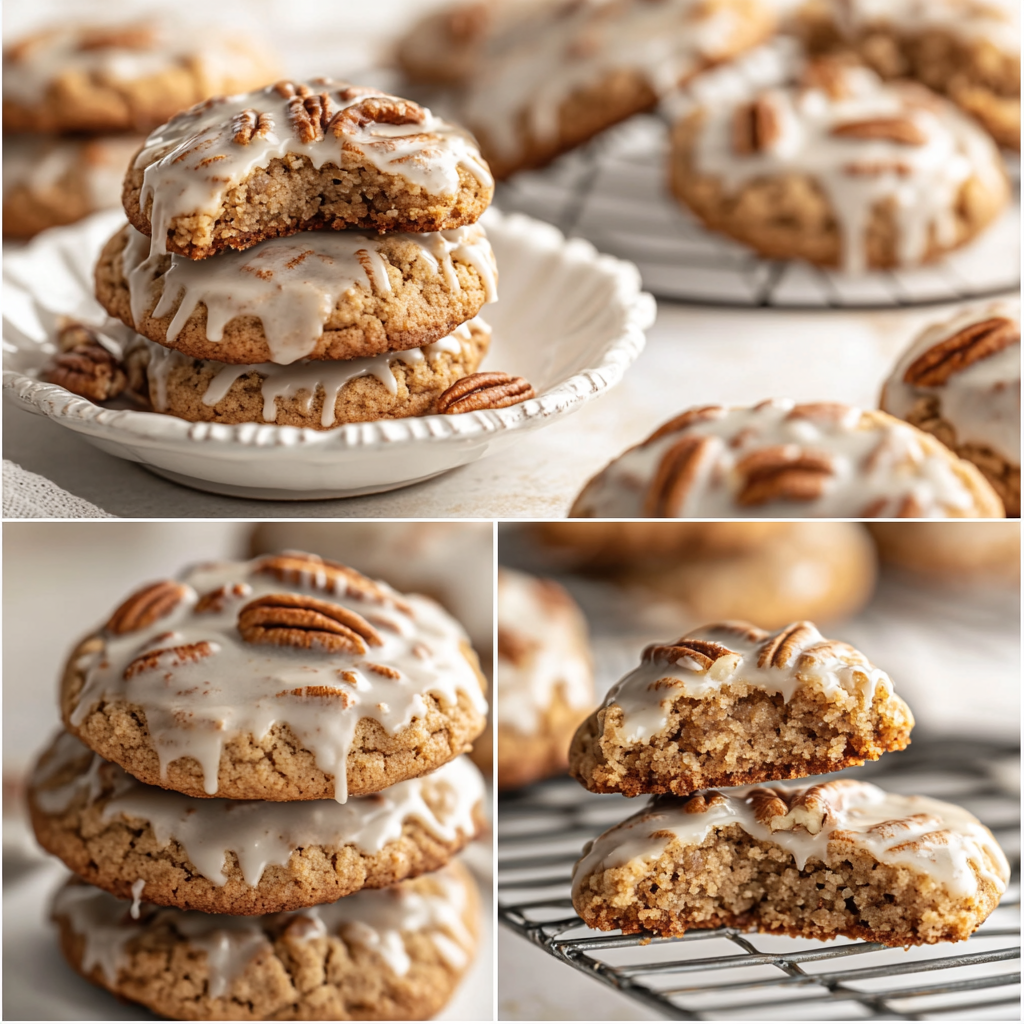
[874, 466]
[195, 706]
[552, 635]
[829, 667]
[192, 161]
[137, 889]
[932, 837]
[258, 832]
[982, 402]
[376, 920]
[292, 285]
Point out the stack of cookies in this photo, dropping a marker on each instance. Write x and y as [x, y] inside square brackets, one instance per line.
[260, 790]
[308, 254]
[76, 99]
[705, 721]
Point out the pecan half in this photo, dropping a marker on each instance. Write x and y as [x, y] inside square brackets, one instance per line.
[309, 115]
[900, 130]
[170, 657]
[493, 390]
[249, 125]
[820, 412]
[702, 803]
[675, 476]
[687, 419]
[217, 600]
[88, 370]
[377, 110]
[755, 127]
[71, 334]
[145, 607]
[292, 620]
[288, 89]
[384, 670]
[704, 652]
[783, 472]
[779, 650]
[767, 805]
[302, 570]
[975, 342]
[332, 692]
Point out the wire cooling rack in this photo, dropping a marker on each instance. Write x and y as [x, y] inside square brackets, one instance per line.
[726, 974]
[613, 193]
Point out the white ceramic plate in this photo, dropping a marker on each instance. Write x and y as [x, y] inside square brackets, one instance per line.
[569, 320]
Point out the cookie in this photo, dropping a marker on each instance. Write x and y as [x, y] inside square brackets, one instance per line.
[983, 554]
[825, 162]
[284, 678]
[960, 380]
[780, 459]
[324, 295]
[297, 156]
[967, 49]
[315, 393]
[251, 857]
[537, 80]
[393, 954]
[53, 181]
[818, 861]
[729, 704]
[123, 77]
[545, 681]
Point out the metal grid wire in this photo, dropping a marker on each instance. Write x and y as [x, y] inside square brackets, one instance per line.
[613, 193]
[726, 974]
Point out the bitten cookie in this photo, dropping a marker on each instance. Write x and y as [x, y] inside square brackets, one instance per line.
[127, 77]
[535, 80]
[960, 380]
[784, 459]
[298, 156]
[244, 857]
[545, 678]
[325, 295]
[818, 861]
[284, 678]
[315, 393]
[394, 954]
[827, 163]
[54, 181]
[730, 704]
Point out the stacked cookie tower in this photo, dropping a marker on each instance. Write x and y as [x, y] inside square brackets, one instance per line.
[734, 706]
[308, 254]
[252, 750]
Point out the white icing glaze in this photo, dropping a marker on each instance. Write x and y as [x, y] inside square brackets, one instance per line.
[137, 888]
[937, 839]
[193, 161]
[375, 920]
[194, 706]
[922, 182]
[291, 285]
[260, 833]
[829, 667]
[305, 377]
[874, 466]
[982, 402]
[552, 635]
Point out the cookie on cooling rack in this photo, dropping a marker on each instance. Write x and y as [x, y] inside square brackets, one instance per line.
[960, 380]
[123, 77]
[826, 162]
[394, 954]
[545, 678]
[730, 704]
[298, 156]
[325, 295]
[967, 49]
[284, 678]
[816, 861]
[535, 80]
[786, 459]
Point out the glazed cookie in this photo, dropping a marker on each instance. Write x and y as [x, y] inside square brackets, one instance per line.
[394, 954]
[729, 704]
[539, 79]
[830, 164]
[126, 77]
[967, 49]
[545, 681]
[310, 393]
[783, 459]
[960, 380]
[818, 861]
[54, 181]
[284, 678]
[244, 857]
[325, 295]
[293, 157]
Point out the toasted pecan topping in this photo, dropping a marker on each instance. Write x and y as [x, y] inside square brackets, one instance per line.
[309, 116]
[687, 419]
[493, 390]
[145, 607]
[676, 474]
[767, 805]
[294, 620]
[703, 802]
[249, 125]
[704, 652]
[302, 570]
[217, 600]
[88, 370]
[901, 130]
[783, 472]
[755, 126]
[821, 412]
[384, 670]
[169, 657]
[779, 650]
[322, 692]
[377, 110]
[954, 354]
